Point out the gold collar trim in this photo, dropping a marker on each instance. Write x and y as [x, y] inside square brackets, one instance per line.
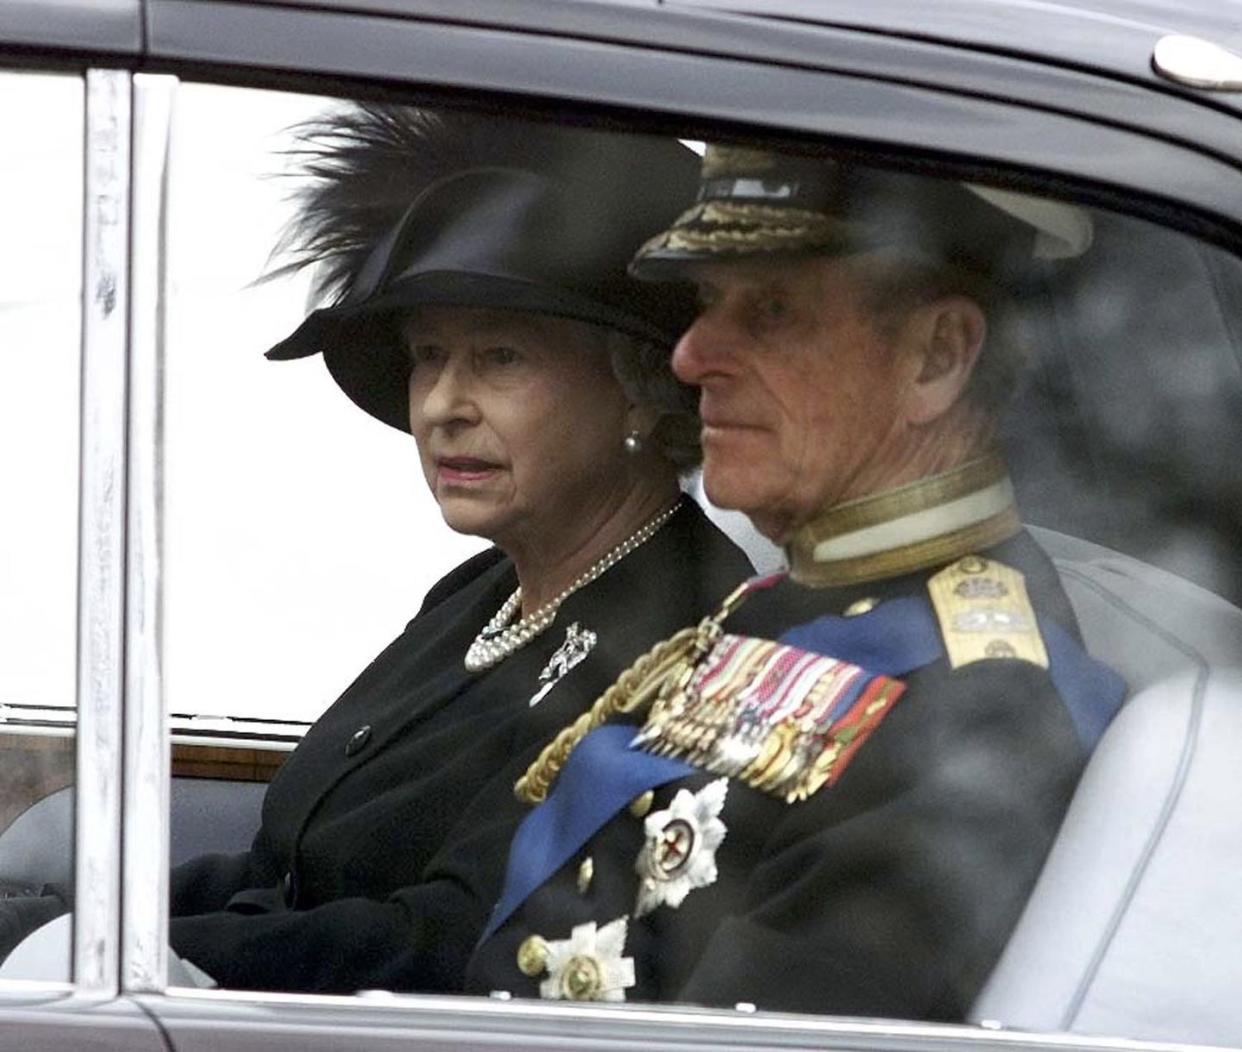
[923, 524]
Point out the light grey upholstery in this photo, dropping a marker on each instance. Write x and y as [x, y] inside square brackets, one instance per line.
[210, 815]
[1135, 927]
[1143, 622]
[44, 956]
[207, 815]
[37, 848]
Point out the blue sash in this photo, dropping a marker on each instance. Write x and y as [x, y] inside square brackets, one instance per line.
[601, 776]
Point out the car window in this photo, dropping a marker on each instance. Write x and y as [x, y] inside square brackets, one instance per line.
[301, 539]
[40, 272]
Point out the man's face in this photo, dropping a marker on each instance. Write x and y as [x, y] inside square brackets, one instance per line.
[799, 390]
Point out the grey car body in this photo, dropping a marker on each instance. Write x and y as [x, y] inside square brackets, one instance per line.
[1057, 99]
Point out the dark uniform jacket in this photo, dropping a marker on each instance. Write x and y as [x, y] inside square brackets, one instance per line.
[335, 892]
[888, 893]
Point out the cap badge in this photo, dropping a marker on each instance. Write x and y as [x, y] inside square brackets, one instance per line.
[679, 854]
[578, 644]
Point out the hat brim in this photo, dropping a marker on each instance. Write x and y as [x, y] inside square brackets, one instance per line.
[361, 343]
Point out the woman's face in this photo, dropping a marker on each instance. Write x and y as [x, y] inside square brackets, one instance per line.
[518, 419]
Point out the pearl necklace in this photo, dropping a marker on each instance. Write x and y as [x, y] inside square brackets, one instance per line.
[499, 638]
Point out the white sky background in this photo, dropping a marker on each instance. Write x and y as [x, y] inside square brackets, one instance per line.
[299, 535]
[40, 231]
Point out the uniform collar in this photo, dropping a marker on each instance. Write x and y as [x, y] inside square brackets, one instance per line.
[925, 523]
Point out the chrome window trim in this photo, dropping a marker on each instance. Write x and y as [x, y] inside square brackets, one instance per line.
[24, 992]
[431, 1021]
[145, 793]
[219, 742]
[101, 557]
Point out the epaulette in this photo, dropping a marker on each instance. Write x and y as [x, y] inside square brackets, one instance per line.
[984, 612]
[780, 719]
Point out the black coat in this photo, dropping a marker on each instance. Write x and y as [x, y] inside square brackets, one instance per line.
[337, 892]
[890, 893]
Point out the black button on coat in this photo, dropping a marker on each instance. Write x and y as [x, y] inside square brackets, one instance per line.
[358, 740]
[360, 834]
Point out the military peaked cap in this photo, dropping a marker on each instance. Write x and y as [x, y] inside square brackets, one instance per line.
[754, 202]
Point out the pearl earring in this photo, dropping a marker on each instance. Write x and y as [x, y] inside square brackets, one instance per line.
[633, 443]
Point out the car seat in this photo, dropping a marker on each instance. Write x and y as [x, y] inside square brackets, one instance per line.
[1135, 926]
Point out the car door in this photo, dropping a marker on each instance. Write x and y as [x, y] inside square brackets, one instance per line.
[1160, 165]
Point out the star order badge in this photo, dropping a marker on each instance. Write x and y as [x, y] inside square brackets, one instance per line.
[578, 644]
[588, 966]
[679, 854]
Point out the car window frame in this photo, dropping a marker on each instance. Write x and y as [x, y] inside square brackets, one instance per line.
[121, 951]
[87, 1005]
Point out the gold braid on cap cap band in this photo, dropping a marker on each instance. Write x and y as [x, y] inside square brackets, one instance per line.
[667, 666]
[723, 226]
[749, 212]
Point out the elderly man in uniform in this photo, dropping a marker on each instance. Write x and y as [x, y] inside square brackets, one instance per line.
[835, 794]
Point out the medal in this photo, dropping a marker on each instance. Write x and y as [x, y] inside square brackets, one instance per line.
[588, 966]
[679, 854]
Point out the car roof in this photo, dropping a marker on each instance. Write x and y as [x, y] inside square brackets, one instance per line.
[1114, 37]
[1042, 65]
[981, 20]
[1001, 24]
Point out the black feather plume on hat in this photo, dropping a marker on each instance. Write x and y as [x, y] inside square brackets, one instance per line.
[364, 164]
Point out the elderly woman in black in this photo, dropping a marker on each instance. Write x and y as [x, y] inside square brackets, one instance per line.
[494, 321]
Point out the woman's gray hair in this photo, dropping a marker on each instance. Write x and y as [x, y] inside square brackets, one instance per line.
[643, 370]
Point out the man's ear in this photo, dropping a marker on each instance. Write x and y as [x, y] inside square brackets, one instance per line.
[942, 341]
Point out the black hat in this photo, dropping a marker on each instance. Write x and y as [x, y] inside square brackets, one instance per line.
[755, 202]
[488, 214]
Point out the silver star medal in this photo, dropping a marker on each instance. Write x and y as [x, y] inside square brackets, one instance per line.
[679, 853]
[577, 645]
[588, 966]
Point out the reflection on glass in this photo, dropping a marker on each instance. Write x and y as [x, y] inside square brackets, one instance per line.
[40, 272]
[1128, 427]
[995, 437]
